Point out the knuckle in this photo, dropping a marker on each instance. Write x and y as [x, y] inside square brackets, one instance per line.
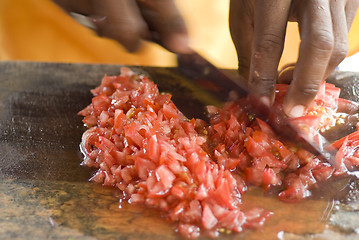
[322, 41]
[264, 86]
[270, 43]
[340, 51]
[308, 90]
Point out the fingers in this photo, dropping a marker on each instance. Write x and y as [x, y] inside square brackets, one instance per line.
[314, 54]
[124, 22]
[80, 6]
[241, 24]
[166, 24]
[130, 21]
[351, 9]
[340, 31]
[259, 35]
[270, 26]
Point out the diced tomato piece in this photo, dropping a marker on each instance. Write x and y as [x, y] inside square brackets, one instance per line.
[100, 103]
[323, 173]
[202, 192]
[233, 220]
[222, 195]
[253, 148]
[86, 111]
[208, 219]
[165, 176]
[178, 191]
[270, 178]
[133, 135]
[108, 159]
[170, 111]
[103, 118]
[99, 177]
[220, 128]
[157, 191]
[119, 121]
[351, 137]
[144, 167]
[254, 176]
[307, 124]
[154, 149]
[127, 174]
[90, 121]
[105, 144]
[265, 128]
[137, 198]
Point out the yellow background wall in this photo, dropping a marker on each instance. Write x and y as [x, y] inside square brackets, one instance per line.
[37, 30]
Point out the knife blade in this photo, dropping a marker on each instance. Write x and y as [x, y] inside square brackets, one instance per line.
[199, 70]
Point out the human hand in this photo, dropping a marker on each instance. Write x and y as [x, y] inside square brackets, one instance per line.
[130, 21]
[258, 32]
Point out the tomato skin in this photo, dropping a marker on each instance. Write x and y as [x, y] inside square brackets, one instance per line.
[348, 149]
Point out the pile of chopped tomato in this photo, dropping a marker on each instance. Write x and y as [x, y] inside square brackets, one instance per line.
[193, 171]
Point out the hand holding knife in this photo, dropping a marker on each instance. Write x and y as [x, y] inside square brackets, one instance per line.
[198, 69]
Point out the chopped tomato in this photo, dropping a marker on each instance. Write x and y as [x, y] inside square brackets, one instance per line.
[208, 219]
[165, 176]
[196, 172]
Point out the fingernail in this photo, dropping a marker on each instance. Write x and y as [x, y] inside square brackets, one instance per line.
[99, 21]
[84, 20]
[297, 111]
[265, 100]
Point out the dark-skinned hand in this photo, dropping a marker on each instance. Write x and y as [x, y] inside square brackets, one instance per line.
[130, 21]
[258, 31]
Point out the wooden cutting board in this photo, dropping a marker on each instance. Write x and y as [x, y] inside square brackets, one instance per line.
[45, 193]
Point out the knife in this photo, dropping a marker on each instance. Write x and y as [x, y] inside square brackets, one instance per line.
[203, 73]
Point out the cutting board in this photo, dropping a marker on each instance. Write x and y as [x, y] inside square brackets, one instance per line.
[45, 193]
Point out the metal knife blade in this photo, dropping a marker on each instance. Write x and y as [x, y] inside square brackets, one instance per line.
[201, 71]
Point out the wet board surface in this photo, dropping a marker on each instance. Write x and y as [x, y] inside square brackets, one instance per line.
[45, 193]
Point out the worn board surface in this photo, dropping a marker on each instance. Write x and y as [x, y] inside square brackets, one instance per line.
[45, 193]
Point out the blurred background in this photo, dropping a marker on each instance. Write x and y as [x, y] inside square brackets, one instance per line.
[38, 30]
